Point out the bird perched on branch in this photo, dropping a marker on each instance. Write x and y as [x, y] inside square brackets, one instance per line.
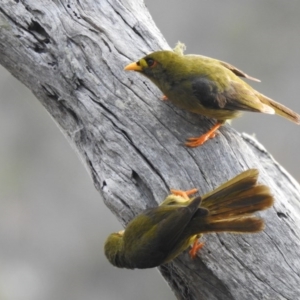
[206, 86]
[158, 235]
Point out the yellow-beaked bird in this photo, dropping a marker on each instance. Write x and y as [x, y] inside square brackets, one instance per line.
[206, 86]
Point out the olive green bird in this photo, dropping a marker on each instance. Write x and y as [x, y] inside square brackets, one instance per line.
[206, 86]
[158, 235]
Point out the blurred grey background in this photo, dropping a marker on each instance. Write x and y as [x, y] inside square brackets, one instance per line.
[52, 221]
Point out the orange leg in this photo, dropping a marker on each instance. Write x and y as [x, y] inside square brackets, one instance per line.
[198, 141]
[195, 248]
[164, 98]
[184, 194]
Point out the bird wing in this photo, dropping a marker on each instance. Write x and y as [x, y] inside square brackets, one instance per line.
[237, 71]
[241, 96]
[163, 237]
[173, 221]
[232, 96]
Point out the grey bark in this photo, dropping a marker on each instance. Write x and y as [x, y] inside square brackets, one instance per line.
[71, 55]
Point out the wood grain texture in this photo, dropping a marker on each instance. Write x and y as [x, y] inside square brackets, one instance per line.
[71, 56]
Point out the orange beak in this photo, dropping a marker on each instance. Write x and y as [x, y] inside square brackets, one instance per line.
[133, 67]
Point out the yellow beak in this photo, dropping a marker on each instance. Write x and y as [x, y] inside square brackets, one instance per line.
[133, 67]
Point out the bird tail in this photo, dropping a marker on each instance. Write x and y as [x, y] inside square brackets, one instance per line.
[242, 225]
[230, 207]
[280, 109]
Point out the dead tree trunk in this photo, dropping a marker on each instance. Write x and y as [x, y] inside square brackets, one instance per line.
[71, 55]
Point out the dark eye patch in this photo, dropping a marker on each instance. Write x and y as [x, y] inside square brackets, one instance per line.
[150, 61]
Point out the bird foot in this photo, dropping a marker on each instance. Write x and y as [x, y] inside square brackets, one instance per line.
[164, 98]
[184, 194]
[198, 141]
[195, 248]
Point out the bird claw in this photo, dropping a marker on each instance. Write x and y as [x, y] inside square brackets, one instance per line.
[195, 248]
[184, 194]
[198, 141]
[213, 135]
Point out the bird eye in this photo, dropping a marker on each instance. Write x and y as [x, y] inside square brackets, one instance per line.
[150, 62]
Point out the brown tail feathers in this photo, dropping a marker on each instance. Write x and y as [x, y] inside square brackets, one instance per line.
[242, 225]
[280, 109]
[231, 205]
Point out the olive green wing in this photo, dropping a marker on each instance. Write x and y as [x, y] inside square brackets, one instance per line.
[237, 71]
[235, 95]
[171, 221]
[151, 237]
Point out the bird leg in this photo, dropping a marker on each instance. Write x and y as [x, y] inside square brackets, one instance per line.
[195, 248]
[184, 194]
[164, 98]
[198, 141]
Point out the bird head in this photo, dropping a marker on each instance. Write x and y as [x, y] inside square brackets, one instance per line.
[113, 249]
[155, 65]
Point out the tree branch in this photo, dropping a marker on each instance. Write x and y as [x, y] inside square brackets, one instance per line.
[72, 56]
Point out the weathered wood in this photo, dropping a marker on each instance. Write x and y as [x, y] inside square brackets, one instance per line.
[71, 55]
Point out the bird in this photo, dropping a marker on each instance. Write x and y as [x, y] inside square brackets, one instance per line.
[206, 86]
[159, 234]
